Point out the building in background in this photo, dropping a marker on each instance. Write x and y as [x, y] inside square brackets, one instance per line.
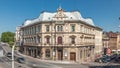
[61, 36]
[105, 40]
[118, 43]
[98, 42]
[18, 38]
[113, 41]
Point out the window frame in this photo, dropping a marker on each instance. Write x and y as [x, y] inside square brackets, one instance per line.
[59, 39]
[59, 28]
[47, 40]
[73, 28]
[47, 53]
[47, 28]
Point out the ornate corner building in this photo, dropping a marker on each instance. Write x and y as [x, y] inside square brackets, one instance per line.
[61, 35]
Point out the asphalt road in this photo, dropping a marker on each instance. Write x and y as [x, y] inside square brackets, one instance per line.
[34, 63]
[37, 63]
[7, 63]
[31, 63]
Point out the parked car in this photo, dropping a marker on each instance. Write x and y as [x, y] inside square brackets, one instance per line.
[107, 58]
[115, 58]
[98, 59]
[103, 59]
[9, 54]
[20, 59]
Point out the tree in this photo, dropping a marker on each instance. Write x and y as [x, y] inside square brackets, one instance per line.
[8, 37]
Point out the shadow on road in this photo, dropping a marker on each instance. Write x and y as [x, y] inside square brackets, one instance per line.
[108, 66]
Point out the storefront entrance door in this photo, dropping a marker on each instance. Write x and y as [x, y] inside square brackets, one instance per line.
[73, 56]
[60, 54]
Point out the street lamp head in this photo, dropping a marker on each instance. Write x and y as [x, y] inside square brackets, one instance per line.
[119, 26]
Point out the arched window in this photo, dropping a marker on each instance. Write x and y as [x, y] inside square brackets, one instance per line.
[59, 40]
[47, 52]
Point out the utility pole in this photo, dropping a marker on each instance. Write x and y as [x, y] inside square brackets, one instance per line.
[13, 47]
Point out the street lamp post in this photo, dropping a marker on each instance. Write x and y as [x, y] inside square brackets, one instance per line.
[13, 47]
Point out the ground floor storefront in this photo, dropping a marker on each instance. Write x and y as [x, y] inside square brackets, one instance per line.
[72, 53]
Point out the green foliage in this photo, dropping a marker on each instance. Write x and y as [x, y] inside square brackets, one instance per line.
[11, 42]
[8, 37]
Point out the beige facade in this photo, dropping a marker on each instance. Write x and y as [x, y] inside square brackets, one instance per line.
[98, 42]
[61, 36]
[17, 34]
[118, 43]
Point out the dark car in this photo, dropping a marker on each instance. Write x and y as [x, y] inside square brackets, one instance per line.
[103, 59]
[113, 56]
[116, 60]
[98, 59]
[106, 59]
[9, 54]
[20, 60]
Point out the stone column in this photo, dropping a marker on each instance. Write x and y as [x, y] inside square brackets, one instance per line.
[43, 55]
[24, 51]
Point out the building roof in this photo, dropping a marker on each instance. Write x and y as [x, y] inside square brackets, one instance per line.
[49, 16]
[105, 36]
[113, 34]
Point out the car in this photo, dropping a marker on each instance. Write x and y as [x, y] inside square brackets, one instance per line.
[116, 59]
[9, 54]
[103, 59]
[97, 60]
[113, 56]
[106, 59]
[20, 60]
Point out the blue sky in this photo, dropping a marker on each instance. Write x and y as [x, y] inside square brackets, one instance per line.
[105, 13]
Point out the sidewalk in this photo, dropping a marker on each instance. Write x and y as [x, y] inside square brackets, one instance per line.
[50, 61]
[57, 61]
[0, 66]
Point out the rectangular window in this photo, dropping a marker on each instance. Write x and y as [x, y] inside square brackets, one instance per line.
[48, 40]
[59, 40]
[47, 52]
[38, 38]
[36, 29]
[47, 28]
[73, 40]
[39, 28]
[59, 28]
[73, 28]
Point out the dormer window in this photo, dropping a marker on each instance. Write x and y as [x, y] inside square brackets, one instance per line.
[49, 18]
[71, 18]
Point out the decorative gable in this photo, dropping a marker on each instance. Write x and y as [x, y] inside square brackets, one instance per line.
[60, 14]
